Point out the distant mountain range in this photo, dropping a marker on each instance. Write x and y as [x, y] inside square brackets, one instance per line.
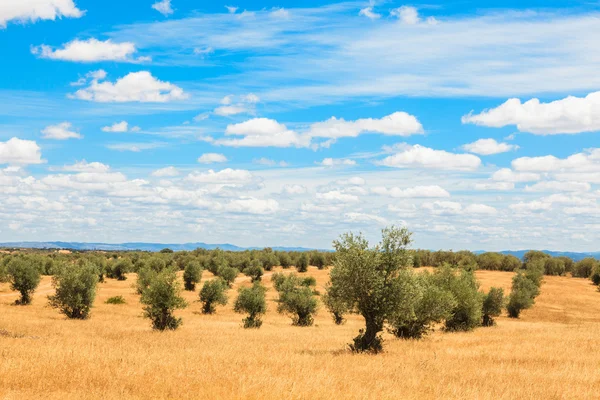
[135, 246]
[154, 247]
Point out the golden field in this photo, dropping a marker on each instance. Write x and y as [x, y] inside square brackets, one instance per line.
[552, 352]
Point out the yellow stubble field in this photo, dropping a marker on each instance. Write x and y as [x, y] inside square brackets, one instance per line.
[552, 352]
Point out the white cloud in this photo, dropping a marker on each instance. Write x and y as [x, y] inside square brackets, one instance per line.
[163, 7]
[535, 205]
[294, 189]
[16, 151]
[227, 111]
[227, 175]
[166, 172]
[362, 217]
[84, 166]
[508, 175]
[396, 124]
[588, 161]
[262, 132]
[212, 158]
[412, 192]
[567, 116]
[91, 50]
[501, 186]
[354, 181]
[33, 10]
[269, 162]
[134, 87]
[418, 156]
[408, 15]
[135, 147]
[554, 186]
[245, 104]
[251, 205]
[488, 147]
[280, 13]
[332, 162]
[122, 126]
[480, 209]
[369, 13]
[231, 10]
[336, 196]
[445, 208]
[203, 51]
[62, 131]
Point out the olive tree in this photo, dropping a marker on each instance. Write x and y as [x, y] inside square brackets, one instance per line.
[493, 303]
[522, 295]
[252, 302]
[368, 281]
[213, 293]
[192, 275]
[75, 289]
[296, 298]
[161, 298]
[302, 263]
[24, 277]
[254, 270]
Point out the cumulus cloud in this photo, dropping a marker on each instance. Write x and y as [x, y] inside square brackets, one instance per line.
[91, 50]
[363, 217]
[62, 131]
[121, 127]
[500, 186]
[336, 196]
[508, 175]
[227, 175]
[418, 156]
[252, 205]
[262, 132]
[134, 87]
[410, 16]
[84, 166]
[33, 10]
[294, 189]
[269, 162]
[135, 147]
[486, 147]
[570, 115]
[243, 105]
[412, 192]
[453, 208]
[163, 7]
[212, 158]
[165, 172]
[16, 151]
[588, 161]
[535, 205]
[555, 186]
[396, 124]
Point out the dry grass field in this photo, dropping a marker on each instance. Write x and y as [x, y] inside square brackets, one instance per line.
[552, 352]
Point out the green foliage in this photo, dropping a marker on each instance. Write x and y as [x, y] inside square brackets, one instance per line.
[156, 263]
[254, 271]
[534, 256]
[424, 304]
[302, 263]
[116, 300]
[269, 260]
[166, 251]
[217, 262]
[213, 293]
[467, 314]
[192, 275]
[24, 277]
[295, 299]
[336, 306]
[144, 277]
[161, 298]
[252, 302]
[318, 260]
[75, 289]
[368, 281]
[493, 304]
[285, 260]
[585, 267]
[523, 293]
[119, 268]
[228, 274]
[554, 266]
[595, 277]
[569, 263]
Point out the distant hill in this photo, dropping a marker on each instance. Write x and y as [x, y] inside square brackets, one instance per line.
[573, 255]
[136, 246]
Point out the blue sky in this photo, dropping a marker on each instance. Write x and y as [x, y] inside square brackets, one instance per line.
[272, 123]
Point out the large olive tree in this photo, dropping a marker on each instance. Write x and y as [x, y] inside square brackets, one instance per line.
[370, 281]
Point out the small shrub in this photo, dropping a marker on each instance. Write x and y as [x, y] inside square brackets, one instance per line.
[119, 268]
[295, 300]
[24, 277]
[595, 277]
[252, 301]
[75, 287]
[213, 293]
[228, 274]
[467, 314]
[585, 267]
[522, 295]
[161, 298]
[192, 275]
[254, 271]
[493, 304]
[302, 263]
[424, 304]
[116, 300]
